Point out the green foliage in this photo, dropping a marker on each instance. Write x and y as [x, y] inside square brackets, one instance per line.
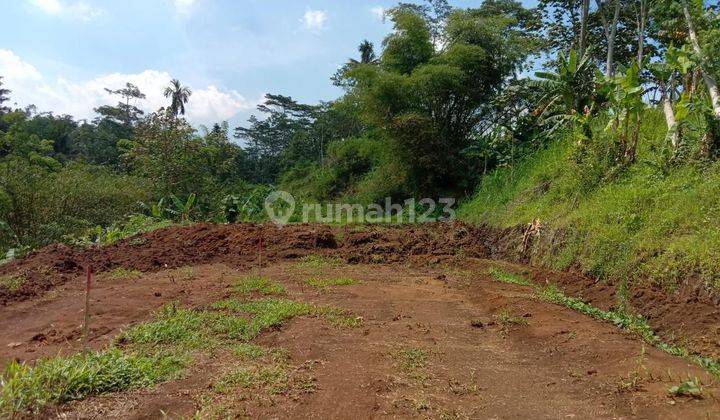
[42, 206]
[649, 221]
[262, 285]
[689, 388]
[60, 379]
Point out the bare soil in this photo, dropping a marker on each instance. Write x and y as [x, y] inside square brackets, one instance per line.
[485, 349]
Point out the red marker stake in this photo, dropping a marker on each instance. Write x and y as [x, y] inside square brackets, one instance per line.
[88, 285]
[260, 249]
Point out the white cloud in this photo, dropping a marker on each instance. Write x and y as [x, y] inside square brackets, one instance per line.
[184, 7]
[52, 7]
[378, 12]
[207, 104]
[314, 20]
[76, 10]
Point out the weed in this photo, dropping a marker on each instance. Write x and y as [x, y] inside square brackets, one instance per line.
[12, 283]
[325, 284]
[273, 379]
[261, 285]
[272, 312]
[246, 351]
[186, 329]
[122, 273]
[507, 277]
[61, 379]
[412, 358]
[506, 319]
[690, 388]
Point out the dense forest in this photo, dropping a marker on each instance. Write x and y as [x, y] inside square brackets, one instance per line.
[454, 102]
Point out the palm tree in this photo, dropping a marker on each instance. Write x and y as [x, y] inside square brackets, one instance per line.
[179, 95]
[367, 54]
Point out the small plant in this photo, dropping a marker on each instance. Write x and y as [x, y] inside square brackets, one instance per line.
[690, 388]
[412, 358]
[183, 209]
[13, 283]
[325, 284]
[27, 389]
[262, 285]
[506, 319]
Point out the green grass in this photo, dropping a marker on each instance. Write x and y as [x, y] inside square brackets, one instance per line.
[267, 313]
[411, 358]
[261, 285]
[326, 284]
[508, 277]
[158, 350]
[633, 323]
[60, 379]
[652, 221]
[12, 283]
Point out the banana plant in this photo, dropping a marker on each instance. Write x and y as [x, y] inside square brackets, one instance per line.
[625, 97]
[183, 209]
[156, 210]
[567, 98]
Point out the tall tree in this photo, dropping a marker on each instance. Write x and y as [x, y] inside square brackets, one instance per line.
[129, 93]
[610, 31]
[710, 81]
[179, 95]
[3, 98]
[367, 53]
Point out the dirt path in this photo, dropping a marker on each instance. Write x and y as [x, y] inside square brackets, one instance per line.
[435, 341]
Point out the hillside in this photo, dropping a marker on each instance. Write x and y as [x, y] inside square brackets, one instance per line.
[654, 221]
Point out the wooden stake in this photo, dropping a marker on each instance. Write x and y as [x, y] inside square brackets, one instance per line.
[260, 250]
[86, 326]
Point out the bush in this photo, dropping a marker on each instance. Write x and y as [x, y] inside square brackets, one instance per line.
[40, 206]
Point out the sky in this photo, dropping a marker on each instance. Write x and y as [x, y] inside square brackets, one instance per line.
[60, 55]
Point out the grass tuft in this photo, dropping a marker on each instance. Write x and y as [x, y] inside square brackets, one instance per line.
[261, 285]
[325, 284]
[60, 379]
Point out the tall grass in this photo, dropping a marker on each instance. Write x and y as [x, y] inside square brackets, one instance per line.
[653, 220]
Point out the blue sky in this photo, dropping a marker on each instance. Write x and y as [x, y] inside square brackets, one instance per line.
[61, 54]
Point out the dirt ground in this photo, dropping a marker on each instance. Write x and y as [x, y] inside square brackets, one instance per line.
[439, 337]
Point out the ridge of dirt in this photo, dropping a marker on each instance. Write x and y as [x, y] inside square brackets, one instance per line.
[689, 316]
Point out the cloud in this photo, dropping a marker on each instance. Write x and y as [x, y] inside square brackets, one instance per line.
[184, 7]
[52, 7]
[207, 104]
[76, 10]
[314, 20]
[379, 12]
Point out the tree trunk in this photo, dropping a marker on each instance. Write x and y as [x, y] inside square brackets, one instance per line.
[610, 62]
[710, 82]
[641, 21]
[670, 117]
[583, 26]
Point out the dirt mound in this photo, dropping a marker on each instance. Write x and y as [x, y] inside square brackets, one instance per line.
[689, 316]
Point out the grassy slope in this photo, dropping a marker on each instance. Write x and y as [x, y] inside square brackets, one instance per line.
[644, 223]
